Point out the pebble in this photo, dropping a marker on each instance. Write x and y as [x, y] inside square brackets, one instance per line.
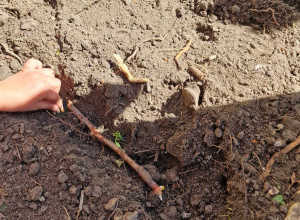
[288, 135]
[195, 200]
[88, 191]
[43, 209]
[235, 9]
[148, 87]
[16, 136]
[36, 193]
[28, 24]
[34, 168]
[186, 215]
[240, 135]
[22, 128]
[62, 177]
[273, 191]
[279, 143]
[218, 132]
[212, 57]
[33, 206]
[171, 212]
[118, 214]
[97, 192]
[131, 216]
[28, 152]
[73, 190]
[208, 209]
[191, 96]
[110, 206]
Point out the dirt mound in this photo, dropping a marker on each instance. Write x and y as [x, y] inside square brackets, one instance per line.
[258, 12]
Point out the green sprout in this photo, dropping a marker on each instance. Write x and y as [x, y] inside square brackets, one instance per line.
[279, 199]
[118, 137]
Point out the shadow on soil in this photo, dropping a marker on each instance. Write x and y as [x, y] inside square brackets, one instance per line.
[217, 144]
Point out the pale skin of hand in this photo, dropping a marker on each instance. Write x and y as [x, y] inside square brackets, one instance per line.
[33, 88]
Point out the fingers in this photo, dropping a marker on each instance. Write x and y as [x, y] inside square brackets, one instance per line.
[32, 64]
[44, 104]
[47, 72]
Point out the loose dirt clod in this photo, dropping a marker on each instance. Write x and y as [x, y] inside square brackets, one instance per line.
[123, 67]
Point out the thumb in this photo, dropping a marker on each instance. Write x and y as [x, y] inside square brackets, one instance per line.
[44, 104]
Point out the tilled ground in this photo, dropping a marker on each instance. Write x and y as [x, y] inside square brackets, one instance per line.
[207, 141]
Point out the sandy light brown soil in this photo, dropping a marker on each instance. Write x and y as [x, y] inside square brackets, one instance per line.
[207, 141]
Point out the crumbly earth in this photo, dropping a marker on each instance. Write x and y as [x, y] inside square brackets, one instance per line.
[207, 141]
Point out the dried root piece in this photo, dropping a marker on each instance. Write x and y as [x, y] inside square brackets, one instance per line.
[271, 162]
[140, 170]
[123, 67]
[198, 73]
[185, 49]
[11, 53]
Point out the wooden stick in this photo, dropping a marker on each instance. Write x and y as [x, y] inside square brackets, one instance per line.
[199, 74]
[140, 170]
[122, 66]
[187, 46]
[271, 162]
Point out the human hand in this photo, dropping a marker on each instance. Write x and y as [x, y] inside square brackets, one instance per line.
[33, 88]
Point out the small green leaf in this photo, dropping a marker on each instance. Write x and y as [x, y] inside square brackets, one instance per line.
[119, 163]
[279, 187]
[3, 207]
[282, 203]
[278, 198]
[118, 145]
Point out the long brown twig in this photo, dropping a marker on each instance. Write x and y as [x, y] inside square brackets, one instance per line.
[140, 170]
[271, 162]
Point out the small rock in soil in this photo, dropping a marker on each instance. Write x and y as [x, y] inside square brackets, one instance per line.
[279, 143]
[33, 206]
[43, 209]
[16, 136]
[88, 191]
[288, 135]
[240, 135]
[186, 215]
[28, 153]
[178, 78]
[273, 191]
[22, 128]
[293, 212]
[34, 168]
[208, 209]
[97, 192]
[118, 214]
[73, 190]
[191, 96]
[195, 200]
[110, 206]
[62, 177]
[28, 24]
[36, 193]
[170, 212]
[131, 216]
[218, 132]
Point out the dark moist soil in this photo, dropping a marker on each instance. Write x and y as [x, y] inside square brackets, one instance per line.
[207, 141]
